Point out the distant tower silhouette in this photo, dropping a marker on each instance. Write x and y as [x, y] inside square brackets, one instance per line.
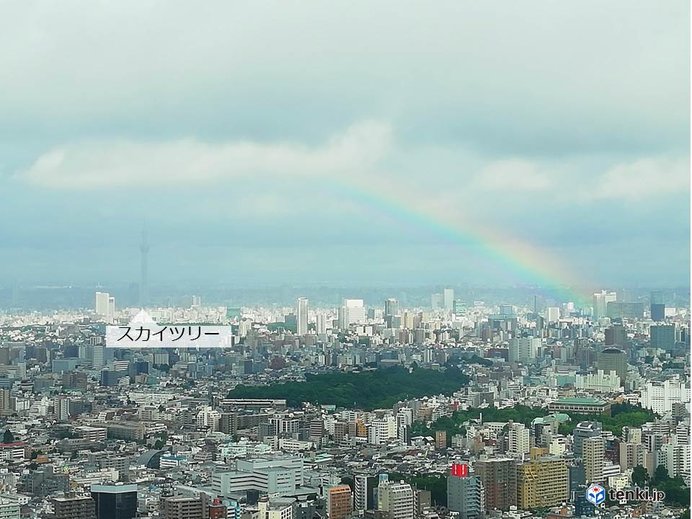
[144, 269]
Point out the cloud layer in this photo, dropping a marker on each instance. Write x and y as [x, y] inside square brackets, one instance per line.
[274, 131]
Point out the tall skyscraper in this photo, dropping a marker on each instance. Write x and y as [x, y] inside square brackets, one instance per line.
[464, 493]
[613, 359]
[302, 315]
[339, 502]
[102, 304]
[392, 313]
[658, 306]
[600, 303]
[499, 478]
[144, 270]
[448, 299]
[594, 454]
[115, 501]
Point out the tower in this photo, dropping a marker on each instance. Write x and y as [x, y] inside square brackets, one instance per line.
[302, 315]
[144, 269]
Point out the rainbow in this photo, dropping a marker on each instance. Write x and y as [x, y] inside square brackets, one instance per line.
[533, 266]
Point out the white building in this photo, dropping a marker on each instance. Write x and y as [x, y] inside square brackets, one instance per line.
[395, 498]
[302, 315]
[599, 381]
[660, 396]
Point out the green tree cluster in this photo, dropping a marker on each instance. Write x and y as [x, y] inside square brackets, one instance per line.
[366, 390]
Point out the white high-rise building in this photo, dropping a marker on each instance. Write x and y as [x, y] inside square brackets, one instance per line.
[675, 458]
[302, 315]
[524, 349]
[552, 314]
[353, 311]
[448, 299]
[102, 301]
[321, 324]
[600, 303]
[519, 442]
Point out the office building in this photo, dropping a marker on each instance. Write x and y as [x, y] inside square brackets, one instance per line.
[302, 316]
[524, 349]
[115, 501]
[542, 482]
[613, 359]
[662, 336]
[395, 499]
[448, 299]
[600, 303]
[615, 335]
[392, 313]
[581, 432]
[519, 441]
[464, 493]
[275, 508]
[339, 502]
[594, 457]
[499, 479]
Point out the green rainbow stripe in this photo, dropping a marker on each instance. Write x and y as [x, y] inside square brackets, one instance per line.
[531, 265]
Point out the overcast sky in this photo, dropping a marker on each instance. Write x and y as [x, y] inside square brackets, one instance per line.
[243, 133]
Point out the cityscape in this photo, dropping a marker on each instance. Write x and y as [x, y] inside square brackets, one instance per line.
[345, 260]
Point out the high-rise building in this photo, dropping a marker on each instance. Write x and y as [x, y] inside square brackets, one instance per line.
[180, 507]
[662, 336]
[101, 305]
[613, 359]
[392, 313]
[519, 440]
[524, 349]
[542, 482]
[675, 458]
[600, 303]
[615, 335]
[552, 314]
[448, 299]
[396, 499]
[593, 456]
[440, 439]
[72, 506]
[302, 315]
[115, 501]
[339, 502]
[464, 493]
[321, 324]
[499, 478]
[581, 432]
[364, 492]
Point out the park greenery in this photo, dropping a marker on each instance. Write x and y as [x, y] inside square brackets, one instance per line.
[365, 390]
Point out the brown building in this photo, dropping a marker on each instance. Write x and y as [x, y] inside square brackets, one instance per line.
[440, 439]
[542, 482]
[499, 478]
[72, 506]
[178, 507]
[339, 502]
